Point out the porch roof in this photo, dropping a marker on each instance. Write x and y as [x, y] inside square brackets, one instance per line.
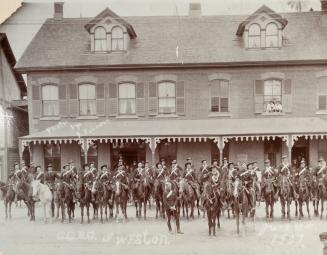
[181, 128]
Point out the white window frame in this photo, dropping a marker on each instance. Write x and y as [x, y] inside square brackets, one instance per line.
[122, 99]
[273, 110]
[89, 101]
[254, 36]
[272, 35]
[117, 39]
[228, 96]
[53, 102]
[162, 98]
[102, 39]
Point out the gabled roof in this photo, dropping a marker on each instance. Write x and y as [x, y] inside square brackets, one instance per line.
[109, 13]
[4, 44]
[209, 40]
[263, 9]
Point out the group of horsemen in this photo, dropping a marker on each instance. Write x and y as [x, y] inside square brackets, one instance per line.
[252, 178]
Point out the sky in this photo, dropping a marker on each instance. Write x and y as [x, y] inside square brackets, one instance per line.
[179, 7]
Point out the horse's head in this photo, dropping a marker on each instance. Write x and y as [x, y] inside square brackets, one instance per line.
[181, 185]
[237, 186]
[79, 189]
[269, 185]
[35, 189]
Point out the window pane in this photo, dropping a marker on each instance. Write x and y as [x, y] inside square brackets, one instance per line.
[167, 105]
[126, 90]
[117, 44]
[215, 104]
[100, 45]
[224, 104]
[117, 32]
[50, 107]
[272, 29]
[166, 89]
[100, 33]
[254, 30]
[86, 91]
[322, 103]
[215, 88]
[127, 106]
[50, 92]
[47, 150]
[254, 42]
[272, 41]
[273, 96]
[224, 89]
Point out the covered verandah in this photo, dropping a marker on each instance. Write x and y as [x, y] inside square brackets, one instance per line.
[241, 135]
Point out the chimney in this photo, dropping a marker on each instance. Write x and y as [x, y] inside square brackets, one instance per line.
[58, 10]
[323, 6]
[195, 10]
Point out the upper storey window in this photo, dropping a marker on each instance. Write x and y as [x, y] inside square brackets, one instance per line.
[100, 39]
[117, 39]
[254, 36]
[272, 35]
[109, 33]
[262, 30]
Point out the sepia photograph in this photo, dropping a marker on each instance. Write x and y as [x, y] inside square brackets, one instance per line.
[182, 127]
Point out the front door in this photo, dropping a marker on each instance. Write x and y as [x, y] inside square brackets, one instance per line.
[129, 152]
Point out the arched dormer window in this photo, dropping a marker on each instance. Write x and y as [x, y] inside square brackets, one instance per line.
[272, 36]
[254, 36]
[100, 39]
[117, 39]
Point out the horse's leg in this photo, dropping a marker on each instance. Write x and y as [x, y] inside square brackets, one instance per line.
[267, 209]
[282, 202]
[6, 206]
[186, 208]
[289, 208]
[308, 209]
[209, 221]
[214, 223]
[82, 213]
[300, 209]
[101, 212]
[88, 212]
[157, 208]
[237, 221]
[321, 208]
[144, 209]
[10, 203]
[218, 217]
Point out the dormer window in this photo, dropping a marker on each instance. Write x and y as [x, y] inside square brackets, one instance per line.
[263, 29]
[272, 37]
[109, 33]
[100, 39]
[117, 39]
[254, 36]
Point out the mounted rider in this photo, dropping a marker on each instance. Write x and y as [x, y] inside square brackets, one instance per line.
[93, 168]
[122, 176]
[105, 174]
[50, 177]
[232, 172]
[191, 178]
[268, 173]
[39, 176]
[246, 175]
[160, 172]
[321, 170]
[204, 172]
[137, 177]
[224, 169]
[285, 169]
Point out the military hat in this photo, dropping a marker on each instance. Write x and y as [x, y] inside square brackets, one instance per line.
[225, 158]
[92, 162]
[159, 163]
[50, 165]
[284, 156]
[16, 164]
[267, 161]
[214, 160]
[103, 166]
[189, 158]
[174, 161]
[38, 165]
[187, 163]
[203, 160]
[230, 163]
[302, 161]
[85, 165]
[249, 164]
[321, 159]
[162, 159]
[70, 162]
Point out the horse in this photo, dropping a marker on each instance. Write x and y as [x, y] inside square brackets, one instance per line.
[285, 194]
[69, 200]
[228, 197]
[42, 193]
[59, 199]
[98, 192]
[314, 194]
[25, 193]
[241, 203]
[108, 198]
[158, 190]
[120, 197]
[322, 194]
[84, 196]
[9, 196]
[268, 192]
[211, 202]
[188, 197]
[142, 195]
[303, 196]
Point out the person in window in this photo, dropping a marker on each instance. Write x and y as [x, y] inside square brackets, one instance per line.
[270, 106]
[278, 107]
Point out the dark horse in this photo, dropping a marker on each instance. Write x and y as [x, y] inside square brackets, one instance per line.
[315, 194]
[69, 200]
[25, 193]
[212, 205]
[285, 194]
[158, 189]
[59, 199]
[98, 195]
[188, 197]
[268, 193]
[322, 194]
[241, 203]
[121, 197]
[303, 196]
[142, 195]
[84, 196]
[9, 196]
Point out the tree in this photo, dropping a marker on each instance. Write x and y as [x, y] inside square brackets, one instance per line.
[297, 5]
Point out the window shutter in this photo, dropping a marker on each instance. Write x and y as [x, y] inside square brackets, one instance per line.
[287, 96]
[180, 99]
[73, 101]
[100, 100]
[140, 108]
[113, 101]
[153, 99]
[258, 96]
[36, 101]
[63, 100]
[322, 105]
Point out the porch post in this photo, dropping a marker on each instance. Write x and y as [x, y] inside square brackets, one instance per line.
[85, 148]
[21, 148]
[221, 146]
[289, 144]
[153, 146]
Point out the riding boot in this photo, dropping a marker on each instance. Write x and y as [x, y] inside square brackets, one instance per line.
[169, 226]
[178, 224]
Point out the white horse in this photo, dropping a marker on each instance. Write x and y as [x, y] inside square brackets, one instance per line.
[42, 193]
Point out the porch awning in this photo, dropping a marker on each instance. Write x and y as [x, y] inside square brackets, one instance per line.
[166, 128]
